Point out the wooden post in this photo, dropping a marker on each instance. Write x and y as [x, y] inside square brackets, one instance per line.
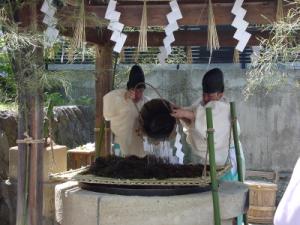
[22, 189]
[30, 122]
[212, 166]
[103, 85]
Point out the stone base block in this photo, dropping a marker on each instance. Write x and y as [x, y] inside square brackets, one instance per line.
[8, 202]
[59, 164]
[90, 208]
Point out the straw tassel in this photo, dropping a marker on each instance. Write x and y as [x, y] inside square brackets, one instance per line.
[142, 45]
[122, 56]
[79, 38]
[279, 13]
[212, 35]
[236, 56]
[189, 55]
[136, 56]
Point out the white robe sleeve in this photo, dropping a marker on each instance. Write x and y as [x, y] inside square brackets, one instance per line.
[197, 136]
[288, 210]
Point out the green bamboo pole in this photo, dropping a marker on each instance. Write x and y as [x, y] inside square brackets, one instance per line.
[99, 140]
[212, 166]
[237, 149]
[236, 142]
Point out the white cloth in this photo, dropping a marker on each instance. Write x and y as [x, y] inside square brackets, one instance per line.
[123, 116]
[288, 210]
[197, 136]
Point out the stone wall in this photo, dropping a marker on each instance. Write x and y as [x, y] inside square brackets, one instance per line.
[270, 123]
[74, 125]
[8, 136]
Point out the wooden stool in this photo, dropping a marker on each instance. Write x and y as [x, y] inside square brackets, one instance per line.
[80, 157]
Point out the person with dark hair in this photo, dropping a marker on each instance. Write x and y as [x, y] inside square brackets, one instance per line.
[194, 121]
[121, 107]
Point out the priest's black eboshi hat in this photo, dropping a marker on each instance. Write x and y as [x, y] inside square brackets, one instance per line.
[213, 81]
[136, 78]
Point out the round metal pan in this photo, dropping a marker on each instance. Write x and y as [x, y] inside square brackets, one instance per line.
[130, 190]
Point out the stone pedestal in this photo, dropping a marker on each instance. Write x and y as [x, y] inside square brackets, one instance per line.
[90, 208]
[54, 162]
[8, 202]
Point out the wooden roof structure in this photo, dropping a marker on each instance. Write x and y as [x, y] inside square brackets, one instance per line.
[194, 12]
[193, 25]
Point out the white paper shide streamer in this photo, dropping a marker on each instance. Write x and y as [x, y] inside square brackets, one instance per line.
[115, 26]
[178, 146]
[172, 26]
[241, 25]
[51, 33]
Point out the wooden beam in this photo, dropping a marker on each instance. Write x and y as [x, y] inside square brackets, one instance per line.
[101, 2]
[182, 38]
[193, 13]
[191, 38]
[102, 86]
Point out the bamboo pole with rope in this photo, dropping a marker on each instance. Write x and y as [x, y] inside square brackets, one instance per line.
[237, 149]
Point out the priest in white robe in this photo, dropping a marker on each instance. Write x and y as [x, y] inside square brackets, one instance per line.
[121, 107]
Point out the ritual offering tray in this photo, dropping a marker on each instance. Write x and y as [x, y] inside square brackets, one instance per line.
[146, 176]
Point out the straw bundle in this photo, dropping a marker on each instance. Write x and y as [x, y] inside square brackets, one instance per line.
[122, 56]
[279, 13]
[79, 40]
[212, 38]
[189, 56]
[236, 56]
[142, 45]
[3, 15]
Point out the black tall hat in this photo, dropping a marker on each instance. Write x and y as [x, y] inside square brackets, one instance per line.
[136, 77]
[213, 81]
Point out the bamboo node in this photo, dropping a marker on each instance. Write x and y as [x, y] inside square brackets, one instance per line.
[234, 119]
[210, 130]
[96, 129]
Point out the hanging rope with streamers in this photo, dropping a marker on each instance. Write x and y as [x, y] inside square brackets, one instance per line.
[79, 38]
[212, 35]
[142, 45]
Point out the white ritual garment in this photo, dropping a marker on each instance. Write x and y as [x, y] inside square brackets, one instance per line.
[288, 210]
[123, 116]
